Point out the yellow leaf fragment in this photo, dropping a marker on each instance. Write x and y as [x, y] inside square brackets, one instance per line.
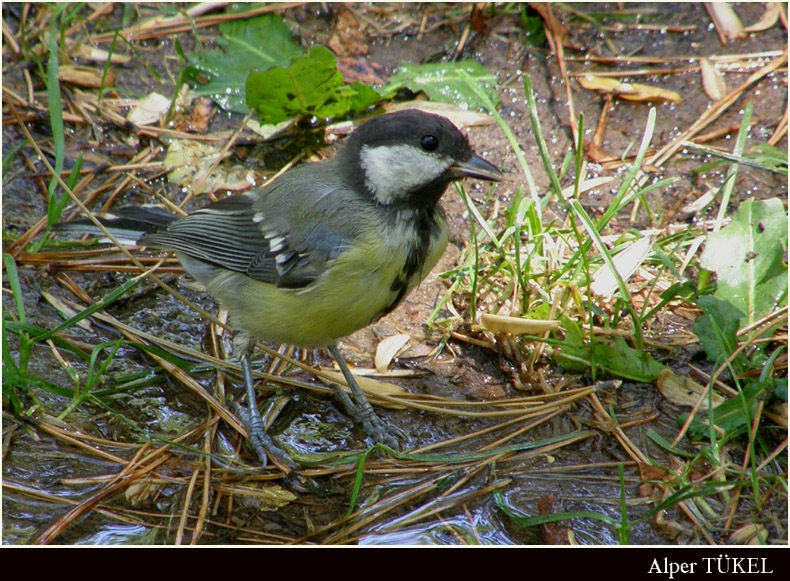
[767, 20]
[684, 390]
[142, 491]
[516, 325]
[629, 91]
[149, 110]
[388, 349]
[727, 23]
[371, 387]
[87, 77]
[190, 164]
[712, 80]
[751, 534]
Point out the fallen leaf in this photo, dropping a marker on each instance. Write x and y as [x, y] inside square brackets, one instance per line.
[348, 39]
[388, 349]
[629, 91]
[142, 491]
[516, 325]
[191, 162]
[479, 20]
[712, 80]
[371, 387]
[751, 534]
[198, 119]
[149, 110]
[728, 25]
[556, 533]
[262, 496]
[459, 117]
[268, 130]
[87, 77]
[701, 203]
[684, 390]
[767, 20]
[360, 69]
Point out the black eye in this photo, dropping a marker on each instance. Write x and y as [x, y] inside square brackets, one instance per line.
[429, 142]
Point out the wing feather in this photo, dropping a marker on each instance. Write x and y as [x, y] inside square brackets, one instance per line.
[268, 234]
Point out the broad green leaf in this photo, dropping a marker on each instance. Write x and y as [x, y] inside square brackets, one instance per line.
[311, 85]
[748, 258]
[255, 44]
[731, 415]
[448, 83]
[615, 358]
[717, 329]
[363, 97]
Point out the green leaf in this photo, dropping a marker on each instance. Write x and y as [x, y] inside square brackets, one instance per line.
[770, 157]
[615, 357]
[363, 97]
[534, 31]
[258, 43]
[717, 329]
[730, 415]
[748, 258]
[447, 83]
[311, 85]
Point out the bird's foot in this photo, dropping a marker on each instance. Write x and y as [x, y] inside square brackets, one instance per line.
[374, 426]
[359, 408]
[261, 442]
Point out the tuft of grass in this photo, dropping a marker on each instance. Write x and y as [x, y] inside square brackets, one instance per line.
[546, 269]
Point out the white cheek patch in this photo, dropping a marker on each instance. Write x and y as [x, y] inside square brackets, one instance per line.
[393, 171]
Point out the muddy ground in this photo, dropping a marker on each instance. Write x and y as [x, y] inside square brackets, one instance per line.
[45, 476]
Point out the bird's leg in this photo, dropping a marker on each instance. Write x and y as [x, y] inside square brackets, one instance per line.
[261, 442]
[360, 408]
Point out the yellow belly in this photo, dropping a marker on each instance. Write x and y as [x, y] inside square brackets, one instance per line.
[355, 290]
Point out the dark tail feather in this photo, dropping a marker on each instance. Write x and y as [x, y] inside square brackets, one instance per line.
[126, 224]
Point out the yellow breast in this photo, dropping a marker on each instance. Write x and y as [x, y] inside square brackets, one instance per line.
[357, 288]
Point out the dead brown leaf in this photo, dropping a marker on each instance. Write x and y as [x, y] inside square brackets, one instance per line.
[361, 69]
[685, 391]
[348, 38]
[558, 533]
[198, 119]
[86, 77]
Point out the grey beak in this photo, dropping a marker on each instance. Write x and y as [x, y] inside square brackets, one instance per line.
[475, 167]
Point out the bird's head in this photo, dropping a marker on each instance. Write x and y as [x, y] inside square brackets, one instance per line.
[409, 158]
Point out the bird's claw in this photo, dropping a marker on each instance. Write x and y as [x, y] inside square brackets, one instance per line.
[373, 425]
[261, 442]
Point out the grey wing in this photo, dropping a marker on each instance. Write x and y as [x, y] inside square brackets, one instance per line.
[262, 240]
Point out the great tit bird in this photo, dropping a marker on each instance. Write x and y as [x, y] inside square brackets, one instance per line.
[328, 248]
